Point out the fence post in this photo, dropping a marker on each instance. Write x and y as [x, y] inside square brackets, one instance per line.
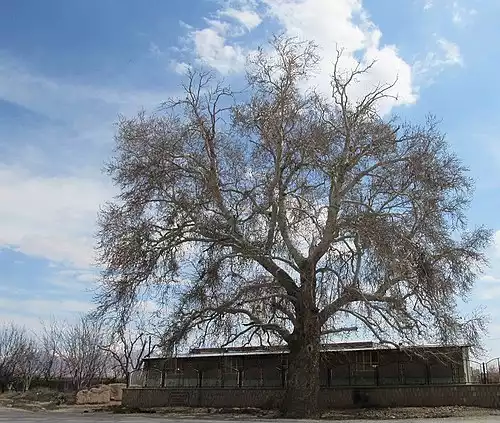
[485, 375]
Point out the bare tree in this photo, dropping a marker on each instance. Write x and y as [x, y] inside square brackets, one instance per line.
[13, 341]
[77, 348]
[287, 214]
[30, 363]
[48, 340]
[127, 346]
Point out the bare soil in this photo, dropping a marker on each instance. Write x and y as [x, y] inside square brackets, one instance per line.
[36, 400]
[350, 414]
[409, 413]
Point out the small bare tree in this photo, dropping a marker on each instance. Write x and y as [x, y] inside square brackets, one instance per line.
[13, 342]
[48, 340]
[127, 346]
[287, 213]
[30, 363]
[77, 348]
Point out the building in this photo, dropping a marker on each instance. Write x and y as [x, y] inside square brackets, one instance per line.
[342, 364]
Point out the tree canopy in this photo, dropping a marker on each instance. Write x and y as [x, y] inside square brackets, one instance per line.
[280, 214]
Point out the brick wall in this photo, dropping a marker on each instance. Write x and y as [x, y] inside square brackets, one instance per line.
[330, 398]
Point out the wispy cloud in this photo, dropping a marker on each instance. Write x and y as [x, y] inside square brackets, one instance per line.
[462, 15]
[62, 100]
[49, 201]
[50, 217]
[33, 312]
[452, 55]
[446, 54]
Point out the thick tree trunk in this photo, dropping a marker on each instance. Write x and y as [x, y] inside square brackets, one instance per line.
[302, 392]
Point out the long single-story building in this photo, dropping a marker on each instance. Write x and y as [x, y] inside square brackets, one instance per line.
[342, 364]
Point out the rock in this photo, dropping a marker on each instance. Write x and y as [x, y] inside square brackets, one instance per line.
[100, 395]
[116, 391]
[82, 397]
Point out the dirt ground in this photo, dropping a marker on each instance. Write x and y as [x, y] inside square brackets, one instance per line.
[50, 401]
[36, 400]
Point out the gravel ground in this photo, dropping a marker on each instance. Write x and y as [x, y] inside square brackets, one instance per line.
[78, 414]
[23, 416]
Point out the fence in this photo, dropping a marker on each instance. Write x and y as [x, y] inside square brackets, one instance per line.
[393, 374]
[487, 372]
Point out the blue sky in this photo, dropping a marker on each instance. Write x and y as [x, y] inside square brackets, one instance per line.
[69, 68]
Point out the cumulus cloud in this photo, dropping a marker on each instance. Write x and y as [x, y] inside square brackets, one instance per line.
[213, 49]
[249, 18]
[179, 67]
[341, 24]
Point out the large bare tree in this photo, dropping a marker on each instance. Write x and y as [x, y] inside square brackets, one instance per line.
[283, 215]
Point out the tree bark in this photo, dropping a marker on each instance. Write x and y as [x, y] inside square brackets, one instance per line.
[302, 391]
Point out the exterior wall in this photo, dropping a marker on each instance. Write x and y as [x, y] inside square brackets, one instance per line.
[330, 398]
[383, 367]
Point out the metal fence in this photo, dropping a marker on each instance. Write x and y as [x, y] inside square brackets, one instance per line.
[347, 374]
[485, 372]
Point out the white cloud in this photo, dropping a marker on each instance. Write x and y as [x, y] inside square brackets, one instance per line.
[155, 50]
[31, 312]
[447, 54]
[462, 15]
[179, 67]
[428, 4]
[490, 279]
[248, 18]
[213, 49]
[50, 217]
[451, 51]
[63, 100]
[488, 286]
[48, 205]
[343, 23]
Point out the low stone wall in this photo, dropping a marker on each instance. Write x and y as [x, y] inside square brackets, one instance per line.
[487, 396]
[330, 398]
[203, 397]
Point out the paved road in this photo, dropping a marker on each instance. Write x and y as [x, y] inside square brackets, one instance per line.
[7, 415]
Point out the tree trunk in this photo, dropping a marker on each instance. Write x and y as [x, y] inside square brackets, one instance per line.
[302, 391]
